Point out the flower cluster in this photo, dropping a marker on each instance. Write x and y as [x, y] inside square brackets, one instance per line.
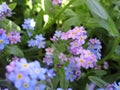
[94, 45]
[13, 37]
[3, 39]
[4, 11]
[25, 76]
[29, 25]
[77, 56]
[39, 41]
[85, 58]
[72, 72]
[48, 59]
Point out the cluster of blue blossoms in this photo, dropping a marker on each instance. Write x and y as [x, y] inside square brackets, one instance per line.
[27, 76]
[39, 41]
[72, 72]
[4, 11]
[94, 45]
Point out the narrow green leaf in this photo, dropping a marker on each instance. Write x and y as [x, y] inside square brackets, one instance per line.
[14, 50]
[97, 9]
[12, 5]
[100, 72]
[99, 82]
[9, 25]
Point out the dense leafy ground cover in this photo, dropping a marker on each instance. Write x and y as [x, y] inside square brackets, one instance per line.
[59, 44]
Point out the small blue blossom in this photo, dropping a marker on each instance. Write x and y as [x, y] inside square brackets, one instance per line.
[51, 73]
[48, 60]
[28, 24]
[58, 34]
[40, 87]
[32, 43]
[72, 72]
[59, 89]
[3, 41]
[39, 37]
[39, 42]
[36, 71]
[94, 45]
[116, 86]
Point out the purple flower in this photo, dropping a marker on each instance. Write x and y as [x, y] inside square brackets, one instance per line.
[13, 37]
[29, 24]
[57, 2]
[48, 60]
[31, 43]
[4, 11]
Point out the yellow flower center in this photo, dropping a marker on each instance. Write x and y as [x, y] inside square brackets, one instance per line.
[37, 70]
[89, 62]
[25, 66]
[79, 30]
[81, 60]
[89, 53]
[19, 76]
[1, 41]
[25, 85]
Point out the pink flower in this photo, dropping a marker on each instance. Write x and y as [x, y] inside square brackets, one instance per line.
[49, 51]
[64, 36]
[62, 57]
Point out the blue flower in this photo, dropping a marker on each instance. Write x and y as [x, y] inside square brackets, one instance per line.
[27, 86]
[116, 86]
[36, 71]
[51, 73]
[4, 11]
[23, 65]
[29, 24]
[94, 45]
[40, 87]
[18, 78]
[32, 43]
[3, 41]
[40, 44]
[58, 34]
[59, 89]
[48, 60]
[39, 37]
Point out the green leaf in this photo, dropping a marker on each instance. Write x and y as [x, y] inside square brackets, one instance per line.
[9, 25]
[4, 84]
[100, 72]
[12, 5]
[99, 82]
[97, 9]
[14, 50]
[87, 87]
[71, 21]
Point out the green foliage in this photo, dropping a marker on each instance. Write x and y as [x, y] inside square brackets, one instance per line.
[99, 82]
